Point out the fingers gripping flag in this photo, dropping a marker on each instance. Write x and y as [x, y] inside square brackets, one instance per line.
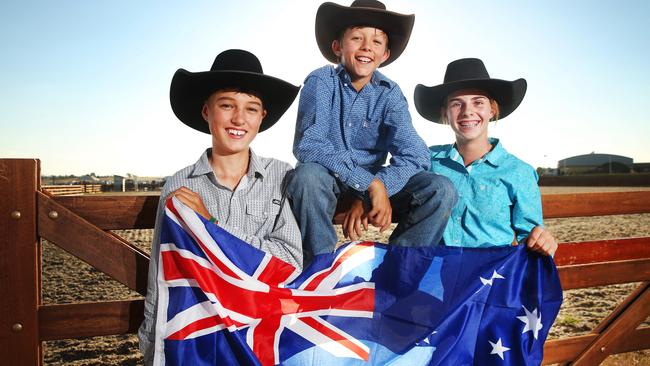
[223, 302]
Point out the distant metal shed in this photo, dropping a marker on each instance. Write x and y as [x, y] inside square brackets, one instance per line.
[595, 163]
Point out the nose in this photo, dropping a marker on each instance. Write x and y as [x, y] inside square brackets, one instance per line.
[467, 110]
[365, 45]
[238, 117]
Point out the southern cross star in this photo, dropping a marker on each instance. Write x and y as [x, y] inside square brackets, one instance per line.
[489, 282]
[533, 323]
[498, 348]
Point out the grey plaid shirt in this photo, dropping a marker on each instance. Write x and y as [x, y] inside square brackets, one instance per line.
[256, 212]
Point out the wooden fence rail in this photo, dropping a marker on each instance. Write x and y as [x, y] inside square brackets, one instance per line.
[80, 224]
[72, 189]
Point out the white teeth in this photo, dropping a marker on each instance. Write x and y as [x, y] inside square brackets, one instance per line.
[469, 124]
[364, 59]
[236, 132]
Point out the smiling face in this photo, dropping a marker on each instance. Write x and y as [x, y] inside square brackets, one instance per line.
[234, 118]
[361, 51]
[468, 112]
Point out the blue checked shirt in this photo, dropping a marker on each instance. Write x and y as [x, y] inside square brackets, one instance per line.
[351, 133]
[498, 197]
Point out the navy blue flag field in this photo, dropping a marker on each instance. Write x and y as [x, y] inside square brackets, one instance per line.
[224, 302]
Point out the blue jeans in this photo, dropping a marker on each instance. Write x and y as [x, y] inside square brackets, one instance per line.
[421, 208]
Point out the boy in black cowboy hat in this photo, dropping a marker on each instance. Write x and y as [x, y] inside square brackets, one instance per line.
[229, 184]
[349, 118]
[499, 196]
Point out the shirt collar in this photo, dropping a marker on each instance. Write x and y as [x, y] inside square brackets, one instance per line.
[493, 157]
[496, 154]
[202, 166]
[376, 80]
[255, 166]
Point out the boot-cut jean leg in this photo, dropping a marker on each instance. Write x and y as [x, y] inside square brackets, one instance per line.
[422, 208]
[313, 192]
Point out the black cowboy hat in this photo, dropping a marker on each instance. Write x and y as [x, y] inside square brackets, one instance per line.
[237, 69]
[468, 73]
[332, 19]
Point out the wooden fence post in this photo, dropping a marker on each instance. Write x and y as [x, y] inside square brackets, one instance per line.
[20, 263]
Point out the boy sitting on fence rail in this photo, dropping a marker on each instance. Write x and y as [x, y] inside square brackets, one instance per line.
[350, 117]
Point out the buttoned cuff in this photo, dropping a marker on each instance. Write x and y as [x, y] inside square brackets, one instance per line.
[360, 179]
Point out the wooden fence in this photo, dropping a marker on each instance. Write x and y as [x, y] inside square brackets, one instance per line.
[80, 224]
[72, 189]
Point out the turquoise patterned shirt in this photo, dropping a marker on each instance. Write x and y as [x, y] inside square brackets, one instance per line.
[498, 197]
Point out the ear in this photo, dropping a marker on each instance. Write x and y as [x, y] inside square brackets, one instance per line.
[263, 113]
[443, 115]
[204, 111]
[385, 56]
[336, 48]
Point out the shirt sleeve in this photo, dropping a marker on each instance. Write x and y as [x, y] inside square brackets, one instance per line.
[147, 331]
[311, 142]
[527, 207]
[409, 153]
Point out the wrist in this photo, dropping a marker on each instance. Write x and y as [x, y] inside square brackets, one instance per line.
[375, 184]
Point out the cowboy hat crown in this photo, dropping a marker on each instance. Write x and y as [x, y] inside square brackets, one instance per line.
[468, 73]
[332, 19]
[237, 60]
[237, 69]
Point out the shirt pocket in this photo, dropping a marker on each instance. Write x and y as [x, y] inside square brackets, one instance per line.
[260, 215]
[369, 135]
[493, 202]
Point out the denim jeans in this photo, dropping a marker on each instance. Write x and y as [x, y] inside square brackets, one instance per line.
[421, 208]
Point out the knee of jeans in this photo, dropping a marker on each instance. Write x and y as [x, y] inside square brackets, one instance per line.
[445, 191]
[309, 177]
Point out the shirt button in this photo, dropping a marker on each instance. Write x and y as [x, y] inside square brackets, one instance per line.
[356, 186]
[345, 84]
[336, 175]
[349, 124]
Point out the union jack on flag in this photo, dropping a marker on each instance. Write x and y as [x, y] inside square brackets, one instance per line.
[224, 302]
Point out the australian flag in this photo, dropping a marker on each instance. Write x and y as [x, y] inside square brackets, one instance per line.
[223, 302]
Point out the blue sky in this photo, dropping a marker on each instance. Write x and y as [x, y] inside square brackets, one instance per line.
[84, 85]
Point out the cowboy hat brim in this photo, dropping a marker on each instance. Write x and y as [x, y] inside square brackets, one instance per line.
[190, 90]
[332, 19]
[509, 94]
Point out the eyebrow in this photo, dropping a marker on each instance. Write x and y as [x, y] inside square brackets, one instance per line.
[232, 99]
[473, 98]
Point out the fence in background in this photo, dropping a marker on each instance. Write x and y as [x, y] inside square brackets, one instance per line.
[80, 225]
[71, 189]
